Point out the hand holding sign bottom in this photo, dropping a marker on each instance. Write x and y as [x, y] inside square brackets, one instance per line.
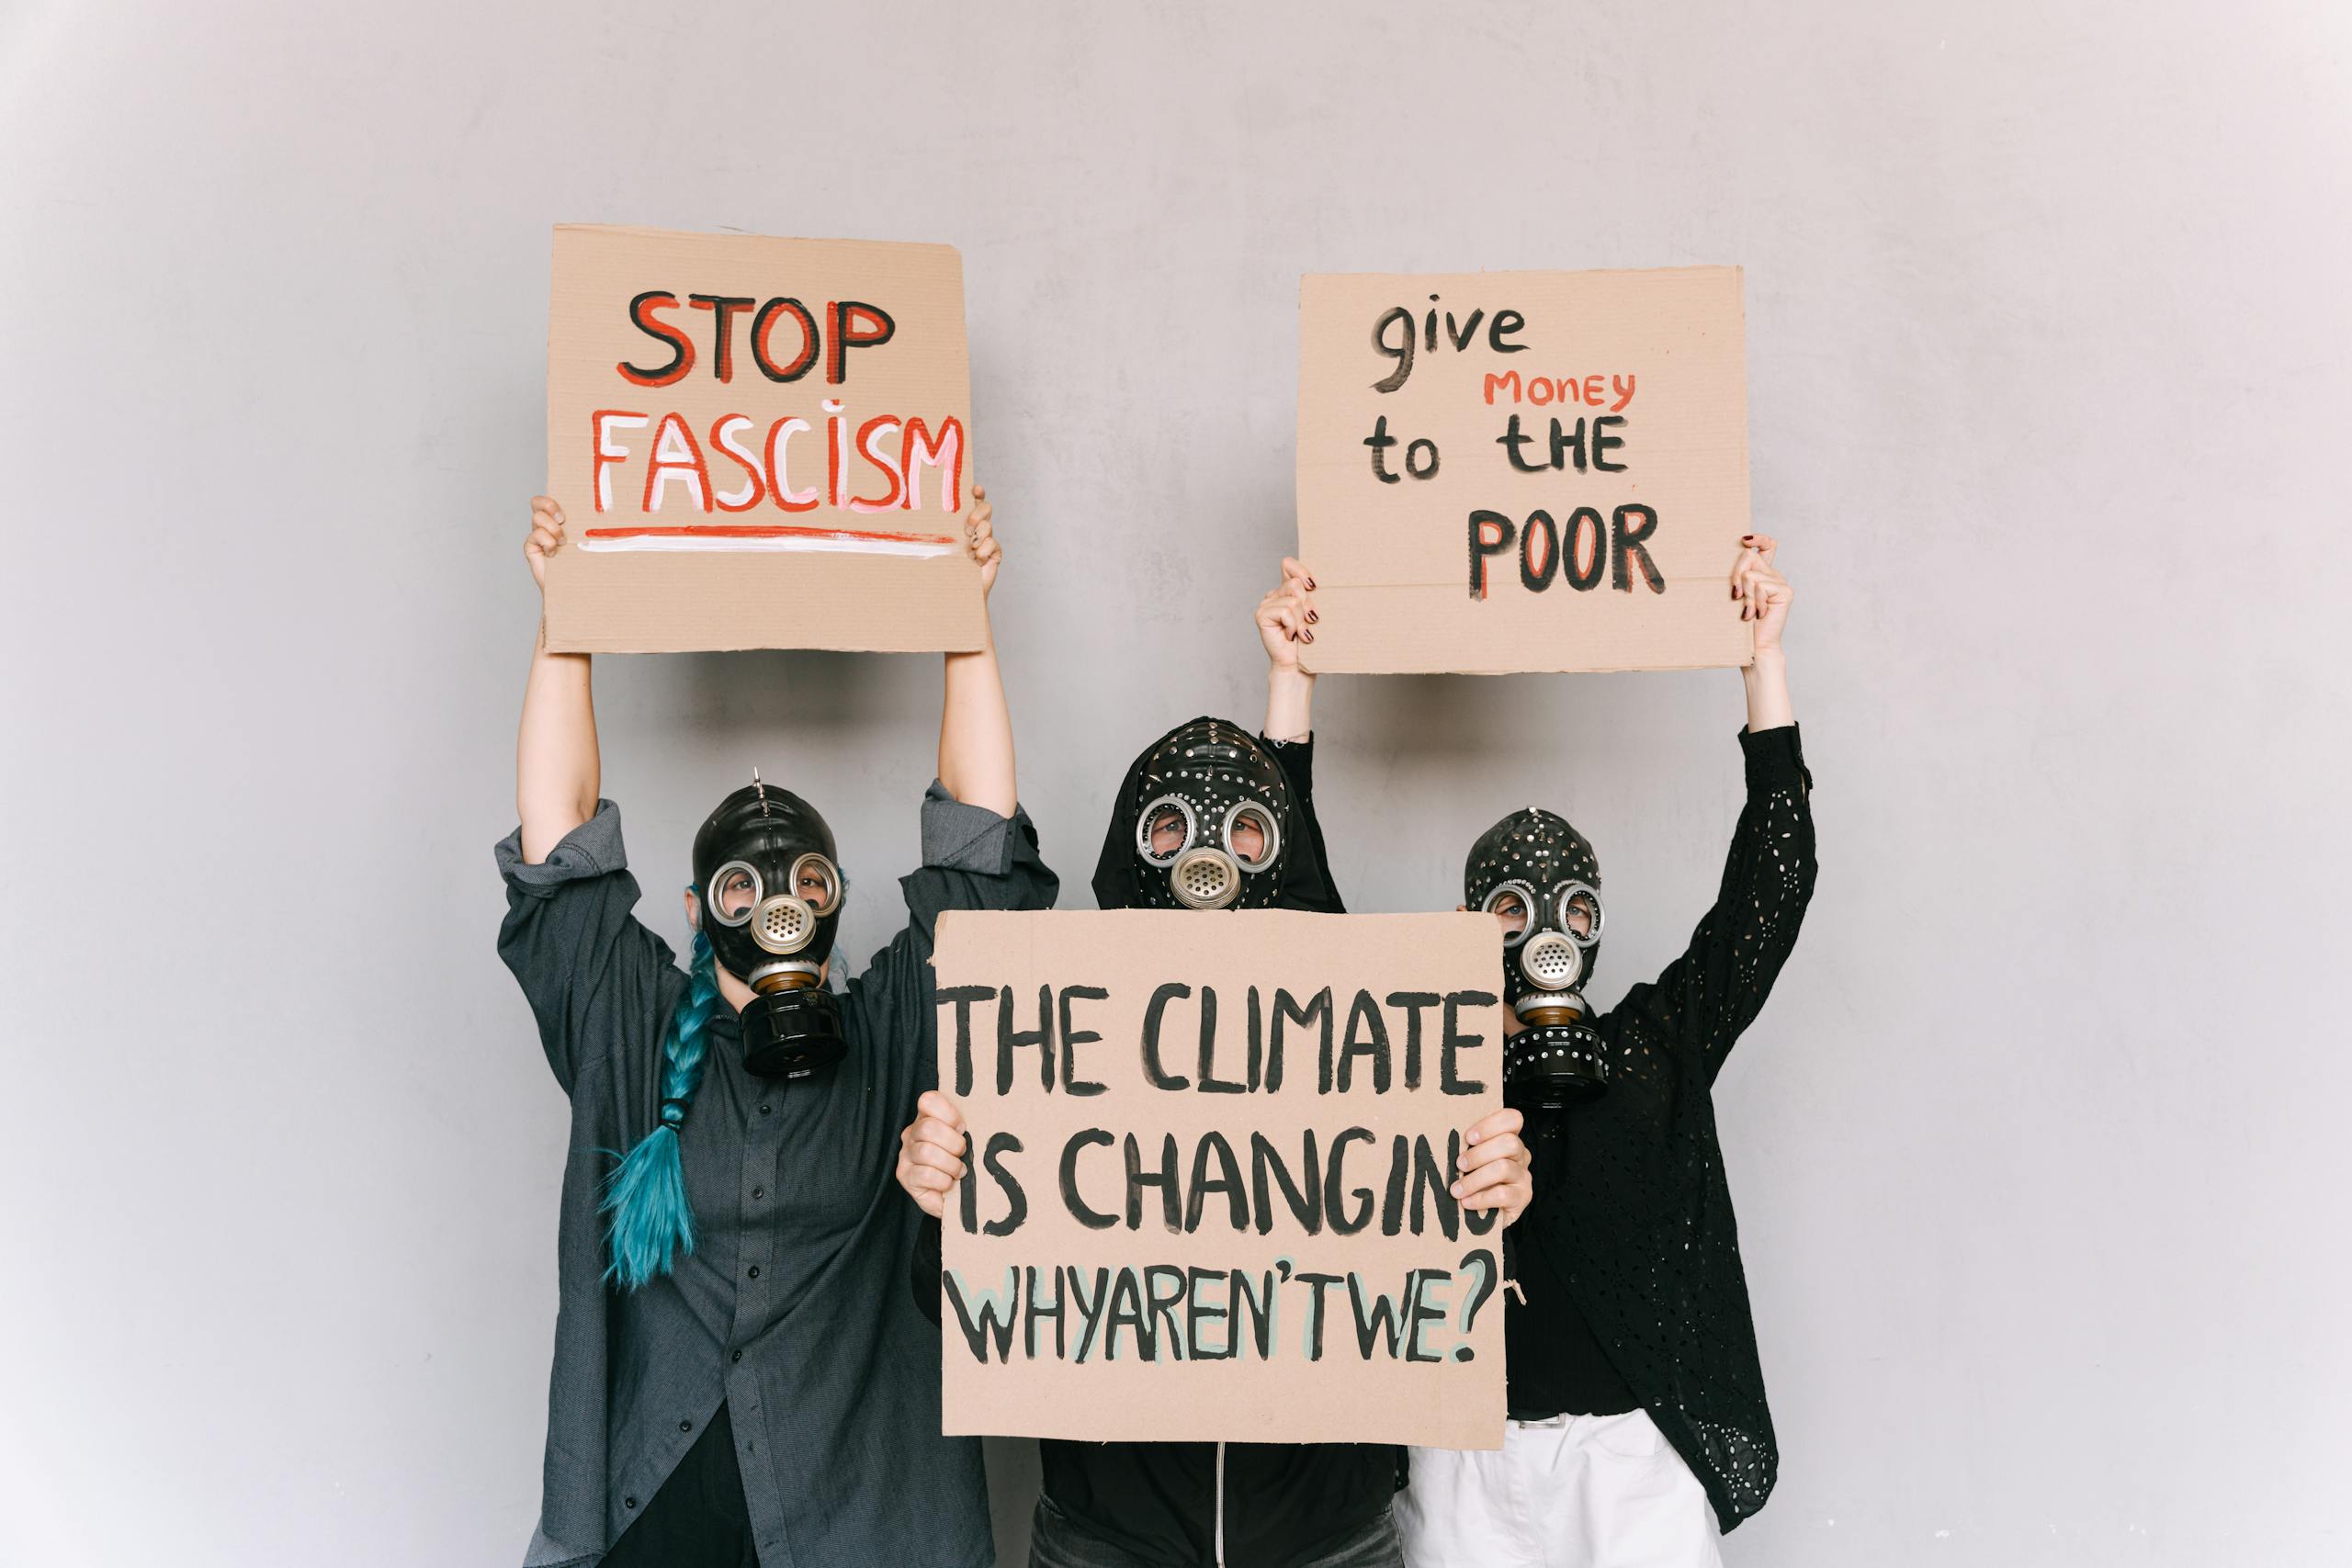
[1496, 1168]
[930, 1152]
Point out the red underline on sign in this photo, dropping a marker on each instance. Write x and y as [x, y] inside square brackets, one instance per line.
[766, 531]
[767, 536]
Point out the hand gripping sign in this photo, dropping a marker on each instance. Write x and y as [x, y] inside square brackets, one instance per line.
[758, 443]
[1524, 471]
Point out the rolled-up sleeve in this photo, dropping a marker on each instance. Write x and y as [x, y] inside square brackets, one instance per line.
[974, 859]
[590, 970]
[1775, 760]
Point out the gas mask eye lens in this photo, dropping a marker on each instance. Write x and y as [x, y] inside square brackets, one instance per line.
[1510, 905]
[817, 882]
[1165, 830]
[734, 892]
[1580, 913]
[1251, 836]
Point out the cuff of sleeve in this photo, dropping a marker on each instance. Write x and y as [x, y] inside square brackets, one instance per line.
[592, 849]
[958, 837]
[1775, 760]
[1298, 760]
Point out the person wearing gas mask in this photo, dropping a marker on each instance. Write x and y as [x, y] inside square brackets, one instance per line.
[1638, 1428]
[1210, 818]
[735, 1354]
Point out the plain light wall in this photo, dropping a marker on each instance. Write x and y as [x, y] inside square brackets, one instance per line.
[2039, 1148]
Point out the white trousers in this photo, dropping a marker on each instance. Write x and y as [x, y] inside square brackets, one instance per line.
[1573, 1492]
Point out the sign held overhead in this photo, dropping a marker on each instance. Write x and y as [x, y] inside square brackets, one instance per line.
[1524, 471]
[759, 442]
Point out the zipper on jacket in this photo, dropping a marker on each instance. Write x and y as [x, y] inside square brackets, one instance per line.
[1220, 1506]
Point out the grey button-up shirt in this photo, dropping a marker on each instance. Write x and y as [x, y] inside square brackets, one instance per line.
[793, 1307]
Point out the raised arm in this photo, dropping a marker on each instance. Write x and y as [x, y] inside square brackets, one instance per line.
[975, 726]
[1764, 598]
[556, 771]
[1286, 620]
[980, 849]
[1286, 624]
[592, 972]
[1707, 997]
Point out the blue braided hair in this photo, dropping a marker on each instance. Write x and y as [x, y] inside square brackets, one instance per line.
[646, 1194]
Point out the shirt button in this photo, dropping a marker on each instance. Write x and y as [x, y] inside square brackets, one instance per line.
[755, 1270]
[629, 1502]
[736, 1356]
[685, 1426]
[759, 1192]
[763, 1110]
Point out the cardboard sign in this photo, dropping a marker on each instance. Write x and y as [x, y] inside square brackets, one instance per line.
[1524, 471]
[1209, 1160]
[758, 443]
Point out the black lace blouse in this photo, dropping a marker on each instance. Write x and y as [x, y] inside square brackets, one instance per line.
[1633, 1216]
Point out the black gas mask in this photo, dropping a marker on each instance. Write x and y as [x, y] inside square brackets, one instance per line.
[1539, 877]
[771, 903]
[1212, 828]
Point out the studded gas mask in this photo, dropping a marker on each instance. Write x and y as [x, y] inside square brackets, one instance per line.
[771, 903]
[1213, 828]
[1539, 878]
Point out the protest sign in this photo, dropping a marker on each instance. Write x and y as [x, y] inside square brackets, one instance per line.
[758, 443]
[1524, 471]
[1209, 1164]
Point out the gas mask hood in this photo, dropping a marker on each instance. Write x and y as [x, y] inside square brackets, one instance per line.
[1207, 818]
[772, 894]
[1539, 878]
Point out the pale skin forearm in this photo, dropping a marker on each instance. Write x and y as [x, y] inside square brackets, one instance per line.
[976, 733]
[556, 765]
[1764, 598]
[1286, 619]
[1290, 704]
[556, 769]
[975, 724]
[1767, 691]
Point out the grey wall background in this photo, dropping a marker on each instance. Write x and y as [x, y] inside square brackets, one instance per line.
[2039, 1148]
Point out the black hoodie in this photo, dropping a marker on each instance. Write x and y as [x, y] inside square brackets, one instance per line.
[1161, 1503]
